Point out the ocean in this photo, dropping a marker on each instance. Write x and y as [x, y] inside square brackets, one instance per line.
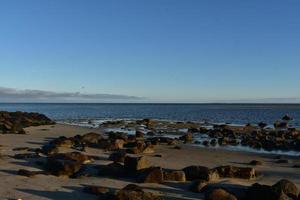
[215, 113]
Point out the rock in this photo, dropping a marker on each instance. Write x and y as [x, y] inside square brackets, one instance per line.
[287, 187]
[15, 122]
[149, 149]
[112, 170]
[91, 138]
[236, 172]
[200, 172]
[187, 137]
[49, 149]
[73, 156]
[96, 190]
[279, 124]
[63, 142]
[198, 186]
[174, 175]
[150, 175]
[255, 162]
[287, 117]
[118, 156]
[119, 143]
[262, 125]
[62, 167]
[133, 164]
[139, 134]
[264, 192]
[129, 194]
[219, 194]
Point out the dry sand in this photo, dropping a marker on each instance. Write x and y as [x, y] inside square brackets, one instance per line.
[43, 187]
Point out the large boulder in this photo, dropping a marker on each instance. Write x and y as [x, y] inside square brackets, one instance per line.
[63, 167]
[132, 193]
[133, 164]
[174, 175]
[287, 187]
[219, 194]
[236, 172]
[112, 170]
[264, 192]
[91, 138]
[151, 175]
[200, 172]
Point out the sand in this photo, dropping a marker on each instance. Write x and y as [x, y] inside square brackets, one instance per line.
[43, 187]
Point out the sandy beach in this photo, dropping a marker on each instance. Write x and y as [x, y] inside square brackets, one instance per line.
[14, 186]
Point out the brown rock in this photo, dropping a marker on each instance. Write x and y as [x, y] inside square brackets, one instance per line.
[219, 194]
[133, 164]
[287, 187]
[62, 167]
[113, 170]
[150, 175]
[200, 172]
[133, 194]
[174, 175]
[198, 186]
[236, 172]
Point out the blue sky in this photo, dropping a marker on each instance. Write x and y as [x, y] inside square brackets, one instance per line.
[160, 50]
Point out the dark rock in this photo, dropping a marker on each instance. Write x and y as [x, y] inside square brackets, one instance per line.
[264, 192]
[133, 164]
[174, 175]
[62, 167]
[287, 118]
[135, 195]
[236, 172]
[150, 175]
[112, 170]
[219, 194]
[198, 186]
[200, 172]
[96, 190]
[255, 162]
[118, 156]
[287, 187]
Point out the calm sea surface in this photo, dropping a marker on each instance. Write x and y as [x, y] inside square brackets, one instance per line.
[219, 113]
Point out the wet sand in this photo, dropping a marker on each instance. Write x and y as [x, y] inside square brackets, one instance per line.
[43, 187]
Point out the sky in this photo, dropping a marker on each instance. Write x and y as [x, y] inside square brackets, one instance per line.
[150, 51]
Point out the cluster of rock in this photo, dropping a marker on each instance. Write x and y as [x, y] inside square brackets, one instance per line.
[128, 160]
[15, 122]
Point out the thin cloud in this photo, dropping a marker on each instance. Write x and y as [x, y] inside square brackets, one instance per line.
[16, 95]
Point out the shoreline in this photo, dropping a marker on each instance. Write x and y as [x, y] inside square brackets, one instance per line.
[50, 187]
